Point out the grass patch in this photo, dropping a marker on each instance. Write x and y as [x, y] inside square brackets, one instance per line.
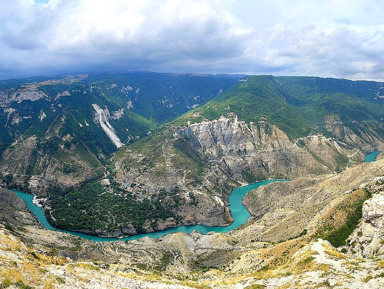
[337, 230]
[19, 284]
[164, 262]
[60, 280]
[9, 227]
[366, 279]
[6, 283]
[255, 286]
[304, 263]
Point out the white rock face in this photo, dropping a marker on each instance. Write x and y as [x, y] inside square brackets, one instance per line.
[129, 104]
[367, 239]
[373, 210]
[32, 94]
[64, 93]
[102, 118]
[42, 115]
[118, 114]
[260, 148]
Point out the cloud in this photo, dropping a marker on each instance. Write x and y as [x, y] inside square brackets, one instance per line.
[325, 38]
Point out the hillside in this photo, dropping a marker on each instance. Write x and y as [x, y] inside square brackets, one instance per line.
[262, 127]
[181, 172]
[300, 106]
[33, 256]
[60, 131]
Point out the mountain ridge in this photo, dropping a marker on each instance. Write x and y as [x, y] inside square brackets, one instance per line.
[55, 116]
[262, 127]
[230, 260]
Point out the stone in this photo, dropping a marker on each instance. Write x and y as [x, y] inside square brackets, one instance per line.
[373, 210]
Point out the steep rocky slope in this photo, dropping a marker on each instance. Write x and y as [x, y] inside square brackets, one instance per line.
[262, 127]
[248, 256]
[59, 131]
[210, 158]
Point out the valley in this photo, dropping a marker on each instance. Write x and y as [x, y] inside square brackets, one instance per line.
[278, 248]
[87, 156]
[191, 144]
[133, 156]
[239, 215]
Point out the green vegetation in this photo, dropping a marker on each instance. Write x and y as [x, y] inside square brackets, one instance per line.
[298, 105]
[302, 233]
[166, 259]
[138, 103]
[8, 227]
[337, 231]
[150, 107]
[6, 283]
[255, 286]
[93, 209]
[19, 284]
[60, 280]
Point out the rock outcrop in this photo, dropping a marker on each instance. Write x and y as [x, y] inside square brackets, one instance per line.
[368, 238]
[22, 94]
[13, 210]
[210, 158]
[261, 150]
[102, 117]
[373, 210]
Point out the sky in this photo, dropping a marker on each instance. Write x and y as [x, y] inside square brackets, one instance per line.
[326, 38]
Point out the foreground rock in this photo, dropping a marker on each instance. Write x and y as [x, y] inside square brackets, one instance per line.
[319, 265]
[367, 240]
[233, 260]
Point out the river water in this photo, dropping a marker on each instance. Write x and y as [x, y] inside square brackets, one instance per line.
[239, 214]
[371, 157]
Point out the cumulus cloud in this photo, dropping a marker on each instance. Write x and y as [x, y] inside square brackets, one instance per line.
[326, 38]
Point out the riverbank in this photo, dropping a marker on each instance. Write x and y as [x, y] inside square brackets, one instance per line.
[239, 214]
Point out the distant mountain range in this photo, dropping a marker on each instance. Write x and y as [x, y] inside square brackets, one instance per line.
[120, 154]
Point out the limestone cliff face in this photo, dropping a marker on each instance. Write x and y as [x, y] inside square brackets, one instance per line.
[102, 117]
[14, 211]
[26, 93]
[209, 159]
[257, 151]
[367, 239]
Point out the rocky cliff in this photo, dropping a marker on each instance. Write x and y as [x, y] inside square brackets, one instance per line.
[263, 127]
[36, 257]
[208, 159]
[367, 239]
[57, 131]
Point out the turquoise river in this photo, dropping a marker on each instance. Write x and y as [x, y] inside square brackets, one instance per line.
[239, 214]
